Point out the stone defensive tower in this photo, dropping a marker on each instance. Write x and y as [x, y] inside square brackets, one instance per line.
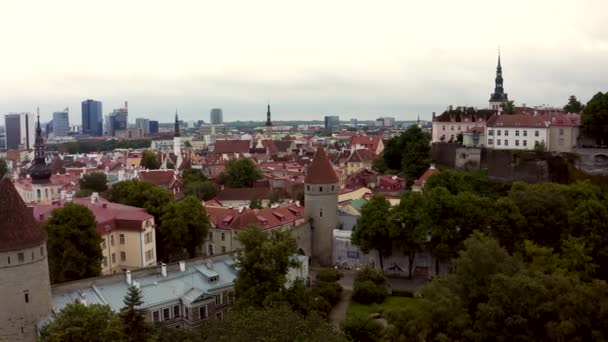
[321, 206]
[25, 287]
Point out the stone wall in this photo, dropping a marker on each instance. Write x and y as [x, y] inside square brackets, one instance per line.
[592, 161]
[444, 153]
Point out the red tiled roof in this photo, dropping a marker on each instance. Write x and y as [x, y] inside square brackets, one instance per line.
[18, 228]
[362, 155]
[243, 194]
[321, 171]
[367, 141]
[267, 218]
[518, 120]
[165, 178]
[426, 175]
[231, 146]
[462, 114]
[566, 120]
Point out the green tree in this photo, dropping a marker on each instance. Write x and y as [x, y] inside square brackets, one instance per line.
[589, 221]
[240, 173]
[263, 265]
[83, 193]
[362, 329]
[573, 105]
[74, 245]
[595, 118]
[255, 203]
[508, 107]
[410, 226]
[408, 152]
[204, 190]
[185, 225]
[96, 182]
[133, 318]
[374, 228]
[3, 168]
[79, 322]
[149, 160]
[506, 223]
[272, 324]
[416, 158]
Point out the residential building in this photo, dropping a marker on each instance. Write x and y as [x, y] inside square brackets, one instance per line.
[216, 117]
[564, 132]
[24, 273]
[19, 130]
[455, 121]
[419, 184]
[143, 124]
[358, 160]
[128, 233]
[61, 123]
[92, 119]
[332, 124]
[474, 137]
[391, 184]
[498, 97]
[153, 126]
[517, 132]
[167, 179]
[231, 149]
[372, 142]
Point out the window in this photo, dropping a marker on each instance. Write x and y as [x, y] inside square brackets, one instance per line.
[121, 237]
[203, 311]
[333, 187]
[561, 141]
[230, 296]
[210, 249]
[536, 133]
[452, 128]
[9, 260]
[219, 315]
[225, 297]
[516, 142]
[223, 236]
[187, 312]
[459, 128]
[218, 299]
[498, 132]
[103, 243]
[561, 131]
[525, 133]
[525, 142]
[156, 316]
[123, 256]
[223, 249]
[113, 258]
[320, 189]
[320, 212]
[490, 141]
[105, 261]
[210, 236]
[150, 254]
[516, 133]
[42, 251]
[506, 142]
[491, 132]
[26, 297]
[175, 311]
[443, 127]
[166, 314]
[498, 142]
[111, 240]
[506, 133]
[20, 257]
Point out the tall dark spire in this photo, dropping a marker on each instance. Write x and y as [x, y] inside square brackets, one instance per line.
[268, 121]
[39, 171]
[176, 124]
[499, 94]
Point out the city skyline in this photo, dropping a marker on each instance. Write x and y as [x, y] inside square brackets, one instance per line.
[396, 59]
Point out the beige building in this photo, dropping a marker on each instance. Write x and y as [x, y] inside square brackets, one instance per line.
[564, 132]
[358, 160]
[128, 233]
[25, 287]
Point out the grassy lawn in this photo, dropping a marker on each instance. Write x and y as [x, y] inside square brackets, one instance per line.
[390, 303]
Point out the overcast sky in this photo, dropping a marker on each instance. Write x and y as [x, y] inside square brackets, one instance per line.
[310, 58]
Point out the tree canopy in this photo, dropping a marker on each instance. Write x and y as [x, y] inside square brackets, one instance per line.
[408, 153]
[79, 322]
[374, 228]
[240, 173]
[3, 168]
[595, 118]
[149, 160]
[133, 318]
[184, 225]
[573, 105]
[73, 244]
[95, 182]
[508, 107]
[196, 184]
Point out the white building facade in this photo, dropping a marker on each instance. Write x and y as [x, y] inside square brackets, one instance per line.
[517, 132]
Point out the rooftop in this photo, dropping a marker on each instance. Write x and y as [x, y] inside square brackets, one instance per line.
[321, 170]
[18, 228]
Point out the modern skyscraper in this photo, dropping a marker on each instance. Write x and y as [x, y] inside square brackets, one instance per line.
[332, 123]
[153, 126]
[216, 117]
[118, 120]
[19, 130]
[92, 119]
[143, 124]
[354, 122]
[61, 123]
[499, 96]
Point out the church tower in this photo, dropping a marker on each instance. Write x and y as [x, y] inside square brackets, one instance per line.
[40, 172]
[268, 124]
[24, 272]
[321, 206]
[499, 96]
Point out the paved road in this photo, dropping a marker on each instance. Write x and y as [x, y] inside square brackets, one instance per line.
[338, 313]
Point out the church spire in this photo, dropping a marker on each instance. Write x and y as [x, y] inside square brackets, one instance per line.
[268, 121]
[498, 96]
[176, 129]
[39, 171]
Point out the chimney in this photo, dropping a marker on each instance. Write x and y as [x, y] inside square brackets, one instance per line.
[209, 264]
[129, 279]
[182, 266]
[163, 269]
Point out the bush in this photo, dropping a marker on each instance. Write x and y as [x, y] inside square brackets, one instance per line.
[329, 275]
[403, 293]
[362, 329]
[367, 292]
[370, 274]
[332, 292]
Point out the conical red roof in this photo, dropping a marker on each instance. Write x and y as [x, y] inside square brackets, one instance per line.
[18, 227]
[321, 171]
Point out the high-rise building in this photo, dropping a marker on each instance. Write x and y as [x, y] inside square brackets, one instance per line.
[153, 126]
[143, 124]
[119, 119]
[385, 121]
[216, 117]
[92, 118]
[332, 123]
[61, 123]
[19, 130]
[354, 122]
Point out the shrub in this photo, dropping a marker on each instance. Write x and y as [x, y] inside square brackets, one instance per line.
[332, 292]
[367, 292]
[362, 329]
[329, 275]
[403, 293]
[370, 274]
